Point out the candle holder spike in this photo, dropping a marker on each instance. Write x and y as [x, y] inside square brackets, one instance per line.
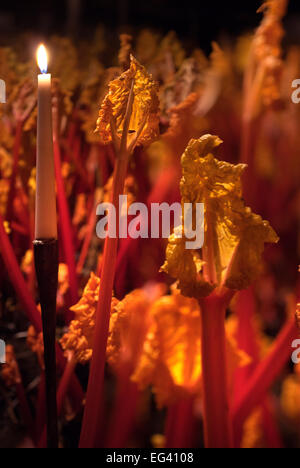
[46, 266]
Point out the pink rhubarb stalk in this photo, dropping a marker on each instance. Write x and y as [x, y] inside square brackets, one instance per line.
[93, 409]
[91, 426]
[264, 375]
[17, 279]
[124, 416]
[16, 155]
[180, 424]
[89, 234]
[65, 225]
[217, 427]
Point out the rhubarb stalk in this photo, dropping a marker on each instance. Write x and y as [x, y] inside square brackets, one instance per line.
[180, 424]
[65, 224]
[124, 416]
[217, 426]
[264, 375]
[93, 410]
[17, 278]
[16, 154]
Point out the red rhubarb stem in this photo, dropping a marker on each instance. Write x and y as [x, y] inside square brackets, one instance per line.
[65, 226]
[180, 424]
[247, 341]
[264, 375]
[17, 279]
[271, 429]
[89, 234]
[16, 155]
[93, 410]
[91, 426]
[124, 416]
[80, 169]
[217, 426]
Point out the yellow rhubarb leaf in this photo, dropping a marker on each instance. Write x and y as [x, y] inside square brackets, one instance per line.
[185, 265]
[234, 236]
[144, 119]
[127, 329]
[80, 337]
[170, 361]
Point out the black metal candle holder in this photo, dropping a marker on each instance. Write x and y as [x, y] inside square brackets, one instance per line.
[46, 267]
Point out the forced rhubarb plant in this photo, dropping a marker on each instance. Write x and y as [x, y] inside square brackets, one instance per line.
[128, 117]
[262, 80]
[229, 261]
[185, 355]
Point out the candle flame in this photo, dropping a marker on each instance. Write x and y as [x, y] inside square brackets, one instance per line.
[42, 58]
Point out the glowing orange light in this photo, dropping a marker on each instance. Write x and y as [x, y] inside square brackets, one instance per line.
[42, 58]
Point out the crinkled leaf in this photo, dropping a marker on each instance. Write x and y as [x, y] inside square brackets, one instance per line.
[234, 236]
[145, 111]
[171, 359]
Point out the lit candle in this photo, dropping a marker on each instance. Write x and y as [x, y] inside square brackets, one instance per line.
[45, 209]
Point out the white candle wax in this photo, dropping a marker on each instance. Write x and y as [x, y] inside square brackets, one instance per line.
[45, 210]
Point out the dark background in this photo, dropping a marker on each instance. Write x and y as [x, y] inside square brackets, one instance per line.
[200, 22]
